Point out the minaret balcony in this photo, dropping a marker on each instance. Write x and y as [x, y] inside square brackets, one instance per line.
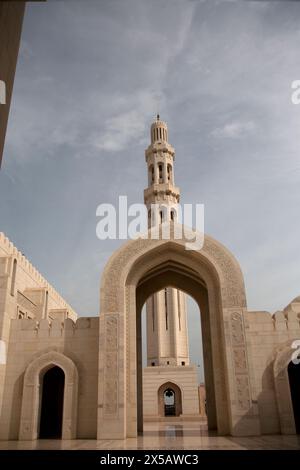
[165, 188]
[159, 147]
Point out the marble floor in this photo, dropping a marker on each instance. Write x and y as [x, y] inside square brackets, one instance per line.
[167, 435]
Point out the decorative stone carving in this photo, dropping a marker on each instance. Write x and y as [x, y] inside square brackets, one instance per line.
[243, 396]
[239, 353]
[232, 283]
[237, 330]
[111, 365]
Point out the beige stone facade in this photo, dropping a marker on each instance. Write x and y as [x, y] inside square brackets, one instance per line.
[91, 368]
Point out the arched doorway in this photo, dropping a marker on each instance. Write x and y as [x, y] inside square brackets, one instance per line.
[34, 387]
[169, 400]
[294, 381]
[52, 401]
[213, 278]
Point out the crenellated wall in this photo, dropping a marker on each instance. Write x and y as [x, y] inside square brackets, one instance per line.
[24, 293]
[28, 277]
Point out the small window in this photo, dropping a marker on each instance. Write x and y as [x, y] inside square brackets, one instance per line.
[170, 173]
[152, 364]
[160, 173]
[151, 175]
[183, 363]
[168, 362]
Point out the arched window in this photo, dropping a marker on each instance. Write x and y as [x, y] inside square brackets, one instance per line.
[170, 173]
[173, 215]
[149, 218]
[151, 175]
[13, 278]
[160, 172]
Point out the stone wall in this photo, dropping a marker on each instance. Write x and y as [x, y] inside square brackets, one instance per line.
[185, 377]
[266, 334]
[24, 293]
[30, 339]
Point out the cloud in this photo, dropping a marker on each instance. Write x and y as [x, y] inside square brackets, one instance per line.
[127, 127]
[234, 130]
[91, 77]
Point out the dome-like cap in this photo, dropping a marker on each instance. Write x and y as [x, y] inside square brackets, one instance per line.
[159, 131]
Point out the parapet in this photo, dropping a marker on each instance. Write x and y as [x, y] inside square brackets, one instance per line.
[8, 249]
[68, 326]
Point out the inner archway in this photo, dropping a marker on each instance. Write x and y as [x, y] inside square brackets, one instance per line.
[182, 279]
[169, 400]
[52, 400]
[294, 381]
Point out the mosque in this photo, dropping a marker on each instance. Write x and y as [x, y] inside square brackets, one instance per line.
[83, 378]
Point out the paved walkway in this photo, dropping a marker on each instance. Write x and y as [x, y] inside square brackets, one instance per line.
[166, 435]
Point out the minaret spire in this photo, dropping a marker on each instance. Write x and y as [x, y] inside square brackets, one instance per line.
[167, 338]
[160, 156]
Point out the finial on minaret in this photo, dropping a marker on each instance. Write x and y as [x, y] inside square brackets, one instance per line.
[157, 117]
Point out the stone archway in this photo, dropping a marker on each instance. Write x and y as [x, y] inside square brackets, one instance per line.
[282, 389]
[177, 398]
[31, 395]
[213, 277]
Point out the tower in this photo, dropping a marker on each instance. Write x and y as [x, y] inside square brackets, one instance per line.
[167, 334]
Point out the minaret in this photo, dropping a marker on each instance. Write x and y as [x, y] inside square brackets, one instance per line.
[167, 337]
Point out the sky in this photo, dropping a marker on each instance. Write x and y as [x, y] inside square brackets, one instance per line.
[90, 78]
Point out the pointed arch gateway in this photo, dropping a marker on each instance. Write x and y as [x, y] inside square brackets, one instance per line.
[32, 395]
[213, 278]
